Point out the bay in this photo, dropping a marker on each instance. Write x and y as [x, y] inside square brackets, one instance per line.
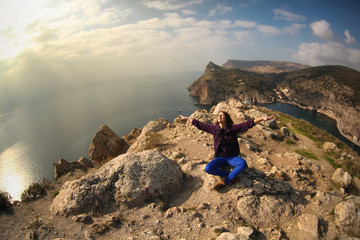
[62, 123]
[319, 120]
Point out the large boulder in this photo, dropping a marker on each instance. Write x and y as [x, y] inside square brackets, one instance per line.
[347, 215]
[329, 147]
[128, 180]
[343, 179]
[308, 224]
[148, 137]
[106, 144]
[261, 200]
[233, 110]
[265, 210]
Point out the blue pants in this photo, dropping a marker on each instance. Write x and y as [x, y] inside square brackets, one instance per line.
[214, 167]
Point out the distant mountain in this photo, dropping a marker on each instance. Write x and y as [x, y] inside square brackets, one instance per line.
[331, 90]
[264, 66]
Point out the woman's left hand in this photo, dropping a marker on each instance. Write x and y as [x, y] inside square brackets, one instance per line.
[268, 118]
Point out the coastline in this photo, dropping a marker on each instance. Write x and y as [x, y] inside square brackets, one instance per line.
[338, 121]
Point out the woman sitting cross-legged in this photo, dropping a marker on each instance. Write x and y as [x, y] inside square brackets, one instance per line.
[226, 145]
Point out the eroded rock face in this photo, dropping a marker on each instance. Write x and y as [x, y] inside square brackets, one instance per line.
[148, 137]
[63, 167]
[263, 200]
[106, 144]
[128, 180]
[265, 210]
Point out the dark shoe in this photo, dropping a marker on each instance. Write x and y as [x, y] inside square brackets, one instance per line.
[219, 184]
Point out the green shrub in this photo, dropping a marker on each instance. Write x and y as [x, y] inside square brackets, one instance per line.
[5, 200]
[289, 141]
[35, 190]
[55, 194]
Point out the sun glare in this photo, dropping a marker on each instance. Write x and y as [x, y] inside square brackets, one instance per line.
[14, 170]
[15, 16]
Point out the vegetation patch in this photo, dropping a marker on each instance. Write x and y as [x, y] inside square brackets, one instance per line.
[154, 140]
[35, 190]
[329, 159]
[5, 200]
[306, 153]
[36, 224]
[290, 141]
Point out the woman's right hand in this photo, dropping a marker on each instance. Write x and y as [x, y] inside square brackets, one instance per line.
[183, 118]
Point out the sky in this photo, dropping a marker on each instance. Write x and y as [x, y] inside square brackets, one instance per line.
[44, 43]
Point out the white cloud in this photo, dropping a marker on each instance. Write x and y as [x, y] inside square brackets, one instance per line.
[188, 12]
[294, 28]
[331, 53]
[268, 30]
[281, 14]
[245, 24]
[169, 4]
[244, 37]
[349, 39]
[156, 44]
[322, 29]
[220, 9]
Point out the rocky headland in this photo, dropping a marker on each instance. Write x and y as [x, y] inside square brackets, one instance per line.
[329, 90]
[150, 184]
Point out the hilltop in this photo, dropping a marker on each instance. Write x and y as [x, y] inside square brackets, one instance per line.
[330, 90]
[264, 66]
[150, 184]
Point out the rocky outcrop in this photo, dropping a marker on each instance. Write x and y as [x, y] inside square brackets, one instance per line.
[132, 136]
[329, 90]
[64, 167]
[149, 137]
[106, 144]
[263, 201]
[219, 84]
[128, 180]
[164, 193]
[347, 215]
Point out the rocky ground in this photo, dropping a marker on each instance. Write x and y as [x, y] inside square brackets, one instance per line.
[284, 194]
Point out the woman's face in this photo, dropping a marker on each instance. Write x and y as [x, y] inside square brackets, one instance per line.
[221, 118]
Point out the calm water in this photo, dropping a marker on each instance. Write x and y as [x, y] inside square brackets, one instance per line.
[61, 125]
[318, 120]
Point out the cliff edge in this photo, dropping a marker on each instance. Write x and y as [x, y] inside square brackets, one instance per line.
[330, 90]
[301, 184]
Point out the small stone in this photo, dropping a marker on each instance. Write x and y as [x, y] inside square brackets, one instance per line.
[203, 206]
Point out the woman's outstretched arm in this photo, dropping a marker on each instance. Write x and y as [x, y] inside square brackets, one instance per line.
[257, 120]
[182, 118]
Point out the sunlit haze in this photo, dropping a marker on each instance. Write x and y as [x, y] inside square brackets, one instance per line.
[65, 65]
[78, 40]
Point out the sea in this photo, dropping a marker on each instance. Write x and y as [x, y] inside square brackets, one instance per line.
[61, 123]
[35, 134]
[319, 120]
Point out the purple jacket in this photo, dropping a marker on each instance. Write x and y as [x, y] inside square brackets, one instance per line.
[225, 140]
